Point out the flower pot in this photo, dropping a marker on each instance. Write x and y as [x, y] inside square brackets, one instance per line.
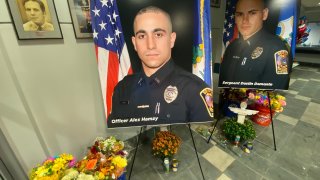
[263, 116]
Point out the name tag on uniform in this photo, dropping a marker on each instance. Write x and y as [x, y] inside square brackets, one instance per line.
[236, 57]
[142, 106]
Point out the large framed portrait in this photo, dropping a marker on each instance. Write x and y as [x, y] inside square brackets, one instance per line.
[35, 19]
[81, 20]
[258, 56]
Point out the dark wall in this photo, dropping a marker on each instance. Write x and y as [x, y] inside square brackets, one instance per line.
[273, 18]
[181, 12]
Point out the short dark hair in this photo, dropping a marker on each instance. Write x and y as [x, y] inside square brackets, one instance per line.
[43, 9]
[154, 9]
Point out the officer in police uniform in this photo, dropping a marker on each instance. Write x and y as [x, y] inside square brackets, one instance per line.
[163, 93]
[257, 59]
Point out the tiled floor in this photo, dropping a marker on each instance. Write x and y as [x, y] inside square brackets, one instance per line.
[297, 132]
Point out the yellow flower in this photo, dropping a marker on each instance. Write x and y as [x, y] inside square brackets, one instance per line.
[57, 167]
[41, 171]
[101, 175]
[119, 161]
[67, 157]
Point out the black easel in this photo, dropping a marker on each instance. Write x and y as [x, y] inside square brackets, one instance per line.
[271, 117]
[274, 138]
[214, 127]
[195, 149]
[194, 145]
[135, 152]
[218, 118]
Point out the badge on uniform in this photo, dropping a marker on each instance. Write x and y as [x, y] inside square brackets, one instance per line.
[207, 97]
[256, 53]
[170, 94]
[281, 61]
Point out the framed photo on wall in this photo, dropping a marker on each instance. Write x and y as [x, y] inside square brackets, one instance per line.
[35, 19]
[215, 3]
[81, 20]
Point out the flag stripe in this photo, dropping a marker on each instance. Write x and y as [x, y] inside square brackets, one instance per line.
[111, 51]
[112, 80]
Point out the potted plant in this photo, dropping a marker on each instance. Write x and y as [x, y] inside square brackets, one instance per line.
[231, 129]
[165, 144]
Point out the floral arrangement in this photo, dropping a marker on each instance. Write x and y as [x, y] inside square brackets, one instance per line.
[236, 95]
[260, 98]
[231, 128]
[257, 97]
[53, 168]
[165, 144]
[105, 159]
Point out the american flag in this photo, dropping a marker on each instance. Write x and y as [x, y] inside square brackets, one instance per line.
[230, 31]
[111, 50]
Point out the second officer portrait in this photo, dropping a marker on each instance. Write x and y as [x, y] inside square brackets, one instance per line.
[162, 93]
[257, 59]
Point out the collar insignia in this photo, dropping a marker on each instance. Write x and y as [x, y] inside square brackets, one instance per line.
[257, 53]
[170, 94]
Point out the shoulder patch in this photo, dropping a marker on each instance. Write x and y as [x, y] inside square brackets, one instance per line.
[281, 61]
[207, 96]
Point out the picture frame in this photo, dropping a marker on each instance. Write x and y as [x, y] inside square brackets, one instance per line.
[35, 19]
[80, 16]
[215, 3]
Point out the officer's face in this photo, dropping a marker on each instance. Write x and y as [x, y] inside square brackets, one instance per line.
[34, 12]
[249, 17]
[153, 40]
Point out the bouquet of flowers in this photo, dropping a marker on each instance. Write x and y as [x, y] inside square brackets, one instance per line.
[260, 98]
[53, 168]
[257, 97]
[165, 144]
[105, 159]
[236, 95]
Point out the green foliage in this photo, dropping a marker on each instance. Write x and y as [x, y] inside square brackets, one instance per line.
[232, 128]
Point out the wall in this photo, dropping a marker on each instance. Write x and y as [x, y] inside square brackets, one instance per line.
[50, 98]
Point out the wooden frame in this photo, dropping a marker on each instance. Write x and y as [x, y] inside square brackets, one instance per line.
[35, 19]
[81, 20]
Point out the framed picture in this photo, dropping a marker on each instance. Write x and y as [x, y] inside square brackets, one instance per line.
[215, 3]
[81, 20]
[35, 19]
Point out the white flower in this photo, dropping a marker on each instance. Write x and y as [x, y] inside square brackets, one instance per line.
[70, 174]
[83, 176]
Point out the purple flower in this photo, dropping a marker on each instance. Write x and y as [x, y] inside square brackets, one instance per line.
[72, 162]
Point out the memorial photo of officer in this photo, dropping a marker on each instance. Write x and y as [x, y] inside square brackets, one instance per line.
[257, 59]
[36, 16]
[162, 93]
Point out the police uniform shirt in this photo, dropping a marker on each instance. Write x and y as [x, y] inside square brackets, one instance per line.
[261, 61]
[171, 95]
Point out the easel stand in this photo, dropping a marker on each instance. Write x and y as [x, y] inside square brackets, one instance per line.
[194, 146]
[214, 127]
[274, 139]
[195, 149]
[272, 126]
[135, 152]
